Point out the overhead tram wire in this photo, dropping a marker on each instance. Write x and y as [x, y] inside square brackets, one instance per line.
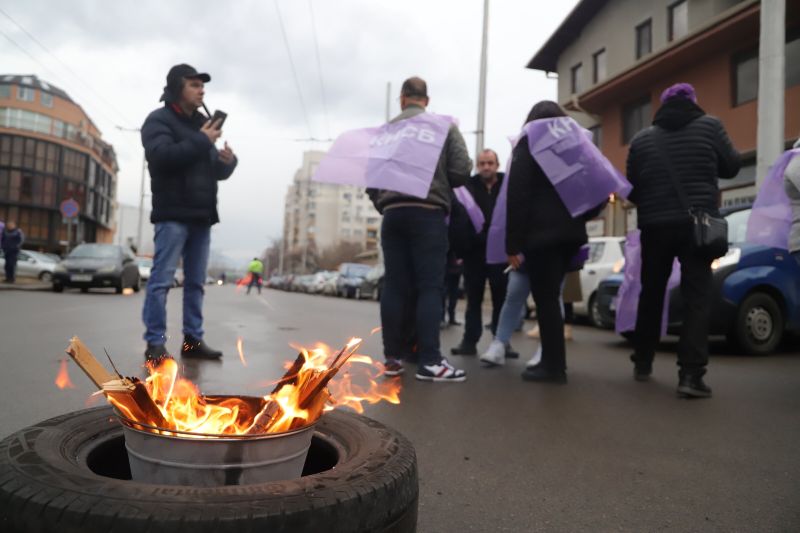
[294, 70]
[77, 76]
[319, 68]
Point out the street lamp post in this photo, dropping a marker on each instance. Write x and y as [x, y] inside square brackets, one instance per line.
[141, 192]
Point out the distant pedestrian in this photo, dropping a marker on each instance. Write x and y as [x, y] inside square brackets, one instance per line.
[792, 186]
[11, 243]
[680, 156]
[479, 197]
[414, 231]
[546, 219]
[184, 169]
[452, 279]
[255, 269]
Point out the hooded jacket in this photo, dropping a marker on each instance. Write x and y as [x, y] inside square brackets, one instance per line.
[184, 167]
[700, 151]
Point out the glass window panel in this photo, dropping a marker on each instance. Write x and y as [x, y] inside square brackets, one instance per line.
[47, 99]
[599, 71]
[678, 20]
[5, 150]
[793, 62]
[30, 153]
[17, 149]
[41, 156]
[48, 191]
[577, 79]
[644, 39]
[635, 118]
[5, 91]
[746, 78]
[3, 184]
[14, 185]
[26, 94]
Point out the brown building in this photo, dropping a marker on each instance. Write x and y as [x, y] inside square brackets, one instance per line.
[50, 151]
[615, 57]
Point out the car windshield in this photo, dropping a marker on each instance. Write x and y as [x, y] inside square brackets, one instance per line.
[355, 271]
[596, 251]
[95, 251]
[737, 226]
[144, 261]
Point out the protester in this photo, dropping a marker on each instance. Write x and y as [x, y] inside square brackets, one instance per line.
[184, 169]
[480, 193]
[546, 225]
[792, 186]
[255, 269]
[685, 150]
[414, 235]
[452, 278]
[11, 243]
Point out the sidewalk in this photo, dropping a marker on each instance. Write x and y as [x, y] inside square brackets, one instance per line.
[26, 284]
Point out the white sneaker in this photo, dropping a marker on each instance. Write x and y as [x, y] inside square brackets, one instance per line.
[443, 371]
[495, 354]
[536, 359]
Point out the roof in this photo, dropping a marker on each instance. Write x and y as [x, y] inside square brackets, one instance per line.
[33, 81]
[546, 58]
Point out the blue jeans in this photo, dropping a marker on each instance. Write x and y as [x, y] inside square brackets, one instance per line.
[414, 241]
[519, 286]
[174, 240]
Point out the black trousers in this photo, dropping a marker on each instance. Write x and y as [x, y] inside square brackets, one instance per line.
[451, 280]
[546, 269]
[255, 281]
[660, 246]
[11, 264]
[476, 274]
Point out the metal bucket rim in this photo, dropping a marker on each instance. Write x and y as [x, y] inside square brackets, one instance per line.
[215, 437]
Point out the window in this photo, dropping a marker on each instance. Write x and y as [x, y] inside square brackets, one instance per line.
[745, 71]
[635, 117]
[26, 94]
[678, 20]
[599, 66]
[644, 38]
[597, 135]
[5, 91]
[596, 250]
[793, 61]
[577, 75]
[47, 99]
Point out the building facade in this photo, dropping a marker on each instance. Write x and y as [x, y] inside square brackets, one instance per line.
[51, 151]
[615, 57]
[127, 229]
[321, 216]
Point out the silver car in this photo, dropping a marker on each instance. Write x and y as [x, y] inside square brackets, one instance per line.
[32, 265]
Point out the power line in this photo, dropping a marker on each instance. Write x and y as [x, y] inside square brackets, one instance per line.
[66, 67]
[294, 71]
[319, 69]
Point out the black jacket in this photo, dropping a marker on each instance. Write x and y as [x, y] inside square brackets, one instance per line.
[464, 240]
[537, 218]
[700, 152]
[184, 168]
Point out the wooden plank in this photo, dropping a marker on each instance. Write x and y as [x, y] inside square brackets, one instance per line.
[88, 363]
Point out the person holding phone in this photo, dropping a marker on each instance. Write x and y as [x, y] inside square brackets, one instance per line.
[185, 166]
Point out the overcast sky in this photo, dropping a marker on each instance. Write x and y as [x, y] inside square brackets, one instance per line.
[112, 58]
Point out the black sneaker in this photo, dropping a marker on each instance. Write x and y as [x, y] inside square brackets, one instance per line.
[693, 386]
[441, 373]
[454, 322]
[464, 349]
[510, 353]
[155, 353]
[393, 367]
[542, 374]
[642, 372]
[197, 349]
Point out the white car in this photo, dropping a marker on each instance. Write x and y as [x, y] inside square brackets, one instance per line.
[606, 257]
[33, 265]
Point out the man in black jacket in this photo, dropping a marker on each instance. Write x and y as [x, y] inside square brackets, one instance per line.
[484, 188]
[184, 169]
[699, 151]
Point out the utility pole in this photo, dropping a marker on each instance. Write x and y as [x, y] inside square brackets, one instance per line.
[388, 99]
[482, 90]
[771, 85]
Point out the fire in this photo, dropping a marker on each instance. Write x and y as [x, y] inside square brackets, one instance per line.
[239, 348]
[317, 381]
[62, 378]
[375, 330]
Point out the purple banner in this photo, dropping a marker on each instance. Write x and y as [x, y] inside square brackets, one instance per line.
[771, 217]
[580, 173]
[496, 236]
[399, 156]
[627, 299]
[473, 210]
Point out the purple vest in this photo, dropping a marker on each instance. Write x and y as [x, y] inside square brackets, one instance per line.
[398, 156]
[771, 217]
[465, 198]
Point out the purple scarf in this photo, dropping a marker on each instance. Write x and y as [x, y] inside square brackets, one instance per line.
[496, 236]
[473, 210]
[771, 217]
[399, 156]
[580, 173]
[627, 299]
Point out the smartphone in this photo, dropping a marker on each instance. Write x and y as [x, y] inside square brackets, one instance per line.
[219, 117]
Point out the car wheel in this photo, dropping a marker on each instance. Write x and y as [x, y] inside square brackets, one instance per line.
[119, 287]
[595, 317]
[137, 285]
[57, 287]
[759, 324]
[84, 289]
[47, 277]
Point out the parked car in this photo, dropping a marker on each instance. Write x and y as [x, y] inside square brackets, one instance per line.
[372, 286]
[145, 265]
[350, 277]
[319, 281]
[97, 265]
[32, 264]
[606, 256]
[755, 293]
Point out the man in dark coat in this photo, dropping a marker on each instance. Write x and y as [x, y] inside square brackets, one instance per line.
[699, 151]
[11, 243]
[184, 169]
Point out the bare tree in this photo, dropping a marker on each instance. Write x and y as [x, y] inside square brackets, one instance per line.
[344, 252]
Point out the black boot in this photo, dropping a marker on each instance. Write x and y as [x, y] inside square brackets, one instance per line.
[693, 386]
[464, 349]
[542, 374]
[510, 353]
[642, 371]
[155, 353]
[197, 349]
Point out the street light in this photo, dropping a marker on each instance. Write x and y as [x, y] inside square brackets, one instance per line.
[141, 192]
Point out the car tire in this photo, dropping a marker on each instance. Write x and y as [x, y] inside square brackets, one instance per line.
[57, 287]
[70, 473]
[137, 285]
[595, 318]
[758, 329]
[84, 290]
[45, 276]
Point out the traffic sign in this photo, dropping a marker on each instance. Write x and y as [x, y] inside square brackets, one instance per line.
[69, 208]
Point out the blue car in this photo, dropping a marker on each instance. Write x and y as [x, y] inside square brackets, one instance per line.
[755, 296]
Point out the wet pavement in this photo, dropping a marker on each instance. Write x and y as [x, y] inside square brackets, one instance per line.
[603, 453]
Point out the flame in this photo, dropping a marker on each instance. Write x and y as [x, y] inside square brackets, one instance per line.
[62, 378]
[239, 347]
[320, 380]
[375, 330]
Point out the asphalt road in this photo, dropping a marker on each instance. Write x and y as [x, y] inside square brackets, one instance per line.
[603, 453]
